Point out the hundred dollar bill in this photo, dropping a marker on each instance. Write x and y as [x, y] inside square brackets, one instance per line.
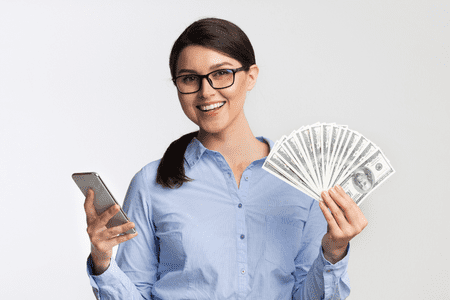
[335, 156]
[286, 154]
[304, 138]
[369, 149]
[326, 140]
[299, 154]
[284, 168]
[282, 153]
[267, 166]
[273, 162]
[298, 140]
[357, 150]
[333, 138]
[317, 157]
[315, 138]
[348, 148]
[367, 177]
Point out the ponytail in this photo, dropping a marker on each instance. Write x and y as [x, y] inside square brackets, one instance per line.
[170, 172]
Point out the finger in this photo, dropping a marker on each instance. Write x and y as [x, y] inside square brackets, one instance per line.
[343, 200]
[353, 213]
[89, 208]
[328, 216]
[116, 230]
[120, 239]
[107, 215]
[338, 214]
[107, 239]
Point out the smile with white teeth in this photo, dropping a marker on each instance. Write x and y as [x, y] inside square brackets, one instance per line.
[211, 107]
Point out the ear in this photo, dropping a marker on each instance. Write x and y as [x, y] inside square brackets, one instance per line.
[252, 75]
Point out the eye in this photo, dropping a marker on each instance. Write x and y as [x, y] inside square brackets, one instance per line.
[189, 79]
[221, 73]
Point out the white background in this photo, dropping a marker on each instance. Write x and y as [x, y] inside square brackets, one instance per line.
[85, 86]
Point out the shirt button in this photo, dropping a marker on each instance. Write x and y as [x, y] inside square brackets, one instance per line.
[246, 177]
[243, 272]
[242, 236]
[328, 271]
[240, 205]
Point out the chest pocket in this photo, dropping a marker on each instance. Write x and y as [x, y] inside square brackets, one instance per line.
[284, 236]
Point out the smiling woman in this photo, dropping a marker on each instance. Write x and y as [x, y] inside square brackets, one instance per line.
[215, 109]
[207, 47]
[212, 223]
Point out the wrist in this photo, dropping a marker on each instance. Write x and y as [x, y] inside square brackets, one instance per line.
[99, 266]
[100, 260]
[334, 255]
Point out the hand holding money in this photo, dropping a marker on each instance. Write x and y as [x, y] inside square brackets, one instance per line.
[345, 220]
[315, 158]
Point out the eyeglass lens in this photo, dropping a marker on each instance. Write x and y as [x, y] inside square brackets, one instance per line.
[218, 79]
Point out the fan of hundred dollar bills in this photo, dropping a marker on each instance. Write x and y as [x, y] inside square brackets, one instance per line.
[317, 157]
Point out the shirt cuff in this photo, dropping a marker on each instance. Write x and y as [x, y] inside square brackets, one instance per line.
[104, 279]
[335, 276]
[340, 264]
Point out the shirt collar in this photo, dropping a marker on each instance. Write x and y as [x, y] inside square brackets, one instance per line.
[195, 149]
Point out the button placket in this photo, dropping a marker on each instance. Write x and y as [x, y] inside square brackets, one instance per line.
[241, 196]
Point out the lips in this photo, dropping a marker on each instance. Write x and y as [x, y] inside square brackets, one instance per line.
[210, 107]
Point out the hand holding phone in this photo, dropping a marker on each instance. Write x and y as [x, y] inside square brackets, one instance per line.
[103, 239]
[103, 233]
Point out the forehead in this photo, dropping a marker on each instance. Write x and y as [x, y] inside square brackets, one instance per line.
[201, 59]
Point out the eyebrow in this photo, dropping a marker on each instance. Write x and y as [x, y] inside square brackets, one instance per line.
[210, 68]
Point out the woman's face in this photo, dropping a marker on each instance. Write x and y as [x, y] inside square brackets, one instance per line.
[197, 106]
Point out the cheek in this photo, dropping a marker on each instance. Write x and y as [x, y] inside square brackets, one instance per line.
[237, 93]
[184, 100]
[187, 107]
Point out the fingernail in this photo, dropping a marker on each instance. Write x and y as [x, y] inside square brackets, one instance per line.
[339, 187]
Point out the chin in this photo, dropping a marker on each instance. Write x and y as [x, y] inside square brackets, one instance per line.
[211, 126]
[212, 129]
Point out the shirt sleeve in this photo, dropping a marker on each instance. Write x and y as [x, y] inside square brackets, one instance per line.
[132, 274]
[315, 277]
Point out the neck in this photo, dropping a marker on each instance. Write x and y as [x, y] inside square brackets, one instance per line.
[236, 143]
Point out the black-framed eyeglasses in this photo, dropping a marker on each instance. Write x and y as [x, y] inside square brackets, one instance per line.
[218, 79]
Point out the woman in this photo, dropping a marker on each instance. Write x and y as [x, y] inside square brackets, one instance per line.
[212, 224]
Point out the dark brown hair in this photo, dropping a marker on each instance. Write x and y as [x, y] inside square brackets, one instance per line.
[219, 35]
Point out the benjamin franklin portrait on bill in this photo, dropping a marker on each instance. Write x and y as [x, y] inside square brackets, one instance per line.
[362, 180]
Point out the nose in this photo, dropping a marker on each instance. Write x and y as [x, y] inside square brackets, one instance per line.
[206, 90]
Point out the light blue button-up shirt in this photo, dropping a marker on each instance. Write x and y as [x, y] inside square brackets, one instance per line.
[210, 239]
